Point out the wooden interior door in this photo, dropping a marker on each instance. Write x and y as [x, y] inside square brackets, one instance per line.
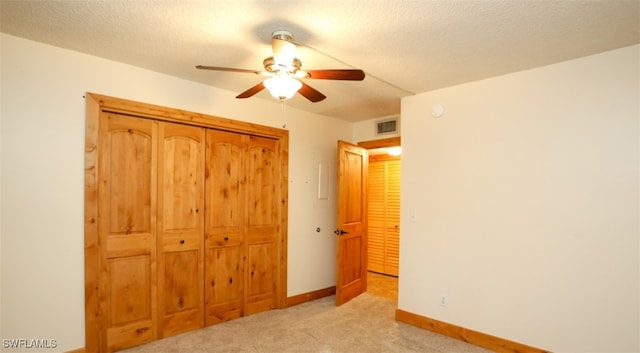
[127, 231]
[224, 226]
[181, 151]
[262, 223]
[351, 276]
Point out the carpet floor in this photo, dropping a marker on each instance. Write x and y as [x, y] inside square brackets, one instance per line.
[364, 324]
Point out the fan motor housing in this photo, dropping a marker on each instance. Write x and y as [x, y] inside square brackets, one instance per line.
[271, 66]
[282, 34]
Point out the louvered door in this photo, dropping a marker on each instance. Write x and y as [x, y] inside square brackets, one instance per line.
[383, 226]
[392, 234]
[376, 217]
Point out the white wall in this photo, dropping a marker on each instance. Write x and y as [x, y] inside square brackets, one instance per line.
[525, 197]
[42, 178]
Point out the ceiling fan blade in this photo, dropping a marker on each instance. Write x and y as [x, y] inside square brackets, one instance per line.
[350, 75]
[251, 91]
[229, 69]
[311, 93]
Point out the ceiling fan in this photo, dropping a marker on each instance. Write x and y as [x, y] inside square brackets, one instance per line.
[284, 73]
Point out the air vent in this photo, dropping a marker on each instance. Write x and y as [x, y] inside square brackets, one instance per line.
[387, 126]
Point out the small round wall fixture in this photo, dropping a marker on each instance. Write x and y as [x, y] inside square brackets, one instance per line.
[437, 111]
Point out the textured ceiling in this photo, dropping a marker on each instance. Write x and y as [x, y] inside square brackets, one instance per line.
[404, 47]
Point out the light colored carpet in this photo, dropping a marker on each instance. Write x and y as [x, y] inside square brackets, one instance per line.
[365, 324]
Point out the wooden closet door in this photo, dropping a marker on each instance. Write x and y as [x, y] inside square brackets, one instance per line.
[392, 239]
[376, 215]
[242, 225]
[262, 223]
[127, 231]
[383, 228]
[224, 226]
[181, 152]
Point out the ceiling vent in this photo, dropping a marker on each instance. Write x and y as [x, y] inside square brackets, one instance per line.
[387, 126]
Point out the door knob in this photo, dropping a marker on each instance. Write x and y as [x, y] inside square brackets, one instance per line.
[340, 232]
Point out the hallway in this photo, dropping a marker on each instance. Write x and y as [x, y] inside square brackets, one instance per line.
[382, 285]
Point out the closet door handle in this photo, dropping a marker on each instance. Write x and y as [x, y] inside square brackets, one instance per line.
[181, 241]
[340, 232]
[226, 238]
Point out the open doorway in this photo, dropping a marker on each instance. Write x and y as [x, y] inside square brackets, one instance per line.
[383, 216]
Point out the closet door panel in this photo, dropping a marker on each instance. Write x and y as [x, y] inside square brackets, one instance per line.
[126, 228]
[262, 192]
[182, 306]
[262, 182]
[129, 295]
[181, 154]
[376, 217]
[181, 281]
[384, 216]
[392, 249]
[225, 175]
[224, 284]
[224, 226]
[260, 277]
[375, 249]
[131, 145]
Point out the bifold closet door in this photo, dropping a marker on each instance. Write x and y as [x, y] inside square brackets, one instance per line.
[383, 228]
[392, 239]
[127, 231]
[188, 227]
[376, 217]
[181, 152]
[241, 225]
[151, 229]
[262, 210]
[224, 226]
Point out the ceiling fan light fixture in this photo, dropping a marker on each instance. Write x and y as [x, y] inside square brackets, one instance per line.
[282, 87]
[283, 70]
[273, 67]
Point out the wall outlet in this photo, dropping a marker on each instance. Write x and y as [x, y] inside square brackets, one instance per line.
[444, 300]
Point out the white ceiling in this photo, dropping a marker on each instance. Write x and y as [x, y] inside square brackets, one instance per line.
[405, 47]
